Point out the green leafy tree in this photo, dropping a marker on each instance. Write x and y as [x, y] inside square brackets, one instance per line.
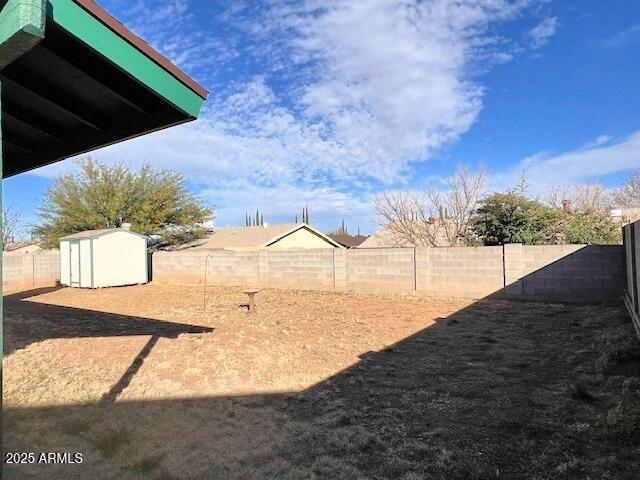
[512, 218]
[592, 228]
[103, 196]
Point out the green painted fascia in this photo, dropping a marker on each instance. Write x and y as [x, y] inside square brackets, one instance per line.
[22, 24]
[84, 26]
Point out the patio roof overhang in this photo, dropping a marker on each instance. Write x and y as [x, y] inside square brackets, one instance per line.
[75, 79]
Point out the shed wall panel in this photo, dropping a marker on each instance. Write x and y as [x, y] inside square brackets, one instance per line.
[64, 263]
[85, 263]
[119, 258]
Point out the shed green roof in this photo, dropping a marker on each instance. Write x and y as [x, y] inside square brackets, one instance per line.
[74, 79]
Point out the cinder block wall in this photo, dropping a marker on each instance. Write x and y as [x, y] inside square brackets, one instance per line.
[631, 236]
[22, 271]
[386, 270]
[304, 269]
[467, 272]
[572, 273]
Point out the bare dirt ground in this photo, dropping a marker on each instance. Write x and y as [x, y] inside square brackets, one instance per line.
[146, 384]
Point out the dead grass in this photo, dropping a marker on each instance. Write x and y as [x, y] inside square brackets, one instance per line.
[112, 440]
[320, 386]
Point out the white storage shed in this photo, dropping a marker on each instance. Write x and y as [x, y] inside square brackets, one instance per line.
[103, 258]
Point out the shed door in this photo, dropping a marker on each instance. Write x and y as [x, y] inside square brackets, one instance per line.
[74, 263]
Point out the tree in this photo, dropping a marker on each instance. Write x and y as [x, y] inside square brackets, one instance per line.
[341, 230]
[591, 198]
[10, 223]
[513, 218]
[433, 216]
[103, 196]
[523, 185]
[594, 227]
[628, 194]
[558, 193]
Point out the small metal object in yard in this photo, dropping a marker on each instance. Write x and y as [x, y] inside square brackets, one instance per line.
[252, 305]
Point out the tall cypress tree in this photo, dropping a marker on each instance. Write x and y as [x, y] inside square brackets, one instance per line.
[262, 219]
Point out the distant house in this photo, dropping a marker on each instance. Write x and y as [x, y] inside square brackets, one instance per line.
[348, 241]
[287, 236]
[24, 248]
[624, 216]
[387, 237]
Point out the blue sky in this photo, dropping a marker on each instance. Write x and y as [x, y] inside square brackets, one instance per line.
[326, 103]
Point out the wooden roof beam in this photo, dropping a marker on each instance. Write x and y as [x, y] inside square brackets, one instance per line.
[89, 70]
[61, 100]
[15, 112]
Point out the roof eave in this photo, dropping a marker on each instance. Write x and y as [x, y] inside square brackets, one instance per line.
[298, 227]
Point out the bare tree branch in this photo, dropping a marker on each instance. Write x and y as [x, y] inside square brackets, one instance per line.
[435, 217]
[590, 198]
[628, 194]
[10, 223]
[557, 193]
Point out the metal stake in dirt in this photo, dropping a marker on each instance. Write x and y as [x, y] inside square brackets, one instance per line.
[204, 293]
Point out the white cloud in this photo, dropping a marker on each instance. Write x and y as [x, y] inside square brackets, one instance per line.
[340, 96]
[601, 140]
[541, 33]
[368, 97]
[622, 37]
[574, 167]
[281, 203]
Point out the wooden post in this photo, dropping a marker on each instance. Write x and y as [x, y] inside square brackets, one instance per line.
[252, 304]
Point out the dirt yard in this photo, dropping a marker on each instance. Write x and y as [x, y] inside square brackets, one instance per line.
[145, 383]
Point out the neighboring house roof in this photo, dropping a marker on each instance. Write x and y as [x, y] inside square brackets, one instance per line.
[386, 237]
[254, 237]
[22, 246]
[349, 241]
[98, 233]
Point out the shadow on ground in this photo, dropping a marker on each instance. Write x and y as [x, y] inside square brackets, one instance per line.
[31, 322]
[496, 390]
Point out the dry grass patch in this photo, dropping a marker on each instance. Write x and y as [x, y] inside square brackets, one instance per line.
[320, 386]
